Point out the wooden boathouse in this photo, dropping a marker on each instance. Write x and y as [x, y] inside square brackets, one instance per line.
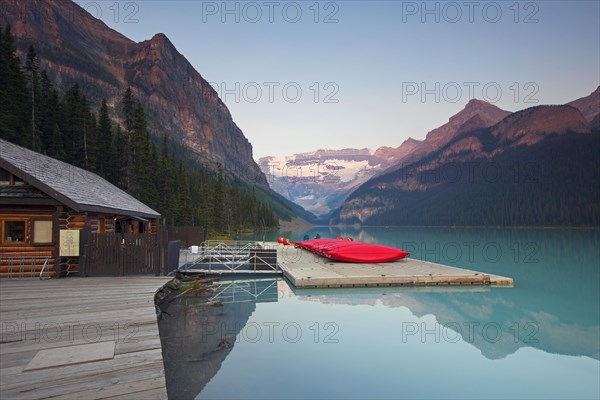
[57, 219]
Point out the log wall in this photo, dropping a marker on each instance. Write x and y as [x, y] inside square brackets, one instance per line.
[27, 259]
[71, 220]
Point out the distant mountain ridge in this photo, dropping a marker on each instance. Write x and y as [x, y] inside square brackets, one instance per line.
[320, 181]
[75, 47]
[476, 114]
[546, 165]
[322, 190]
[588, 105]
[394, 154]
[369, 185]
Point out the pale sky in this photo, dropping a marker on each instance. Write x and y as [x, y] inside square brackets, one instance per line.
[298, 76]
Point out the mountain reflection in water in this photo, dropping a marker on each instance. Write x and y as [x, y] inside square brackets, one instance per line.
[550, 317]
[196, 337]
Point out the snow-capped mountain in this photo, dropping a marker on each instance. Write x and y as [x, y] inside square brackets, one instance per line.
[320, 181]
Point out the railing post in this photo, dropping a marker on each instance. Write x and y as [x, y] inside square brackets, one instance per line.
[84, 248]
[157, 255]
[122, 260]
[164, 243]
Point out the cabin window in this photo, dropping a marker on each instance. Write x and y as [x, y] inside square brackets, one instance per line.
[42, 232]
[13, 231]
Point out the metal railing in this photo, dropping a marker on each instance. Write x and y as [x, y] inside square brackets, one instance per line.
[246, 290]
[18, 267]
[215, 256]
[43, 269]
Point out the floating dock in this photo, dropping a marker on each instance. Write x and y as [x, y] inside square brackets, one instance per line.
[307, 270]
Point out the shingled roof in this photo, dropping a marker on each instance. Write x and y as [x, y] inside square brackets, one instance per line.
[77, 188]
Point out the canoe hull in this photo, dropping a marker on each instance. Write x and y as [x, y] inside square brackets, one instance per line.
[356, 252]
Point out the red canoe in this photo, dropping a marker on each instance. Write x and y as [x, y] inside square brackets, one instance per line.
[345, 250]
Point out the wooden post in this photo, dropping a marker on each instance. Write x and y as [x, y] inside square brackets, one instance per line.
[122, 260]
[157, 259]
[161, 239]
[84, 248]
[56, 241]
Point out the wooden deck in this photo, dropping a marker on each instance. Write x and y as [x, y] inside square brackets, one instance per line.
[80, 338]
[307, 270]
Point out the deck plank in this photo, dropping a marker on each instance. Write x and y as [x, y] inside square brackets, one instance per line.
[34, 312]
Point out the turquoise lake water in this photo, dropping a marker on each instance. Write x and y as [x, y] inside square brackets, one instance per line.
[538, 339]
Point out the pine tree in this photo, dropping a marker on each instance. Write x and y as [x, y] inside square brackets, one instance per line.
[56, 149]
[104, 140]
[90, 137]
[72, 126]
[165, 179]
[32, 68]
[34, 115]
[218, 202]
[185, 210]
[129, 157]
[206, 207]
[48, 114]
[153, 172]
[4, 95]
[127, 107]
[13, 113]
[117, 165]
[141, 178]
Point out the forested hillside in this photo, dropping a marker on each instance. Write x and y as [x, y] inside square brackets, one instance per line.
[34, 114]
[551, 182]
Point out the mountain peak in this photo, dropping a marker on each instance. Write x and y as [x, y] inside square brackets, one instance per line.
[475, 115]
[477, 102]
[588, 105]
[476, 106]
[160, 38]
[489, 113]
[163, 44]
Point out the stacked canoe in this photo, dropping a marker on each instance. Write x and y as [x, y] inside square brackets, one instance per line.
[350, 251]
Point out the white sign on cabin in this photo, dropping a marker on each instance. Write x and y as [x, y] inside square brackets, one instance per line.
[69, 243]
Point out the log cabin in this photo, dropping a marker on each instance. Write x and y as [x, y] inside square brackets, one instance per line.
[44, 205]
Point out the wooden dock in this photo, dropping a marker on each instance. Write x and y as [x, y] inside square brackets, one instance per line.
[307, 270]
[80, 338]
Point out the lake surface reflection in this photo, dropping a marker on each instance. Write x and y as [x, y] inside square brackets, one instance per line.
[539, 339]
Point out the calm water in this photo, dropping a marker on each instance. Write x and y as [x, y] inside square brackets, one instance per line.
[540, 339]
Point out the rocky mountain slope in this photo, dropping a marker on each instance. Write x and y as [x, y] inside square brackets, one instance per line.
[538, 166]
[320, 181]
[476, 114]
[74, 47]
[589, 105]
